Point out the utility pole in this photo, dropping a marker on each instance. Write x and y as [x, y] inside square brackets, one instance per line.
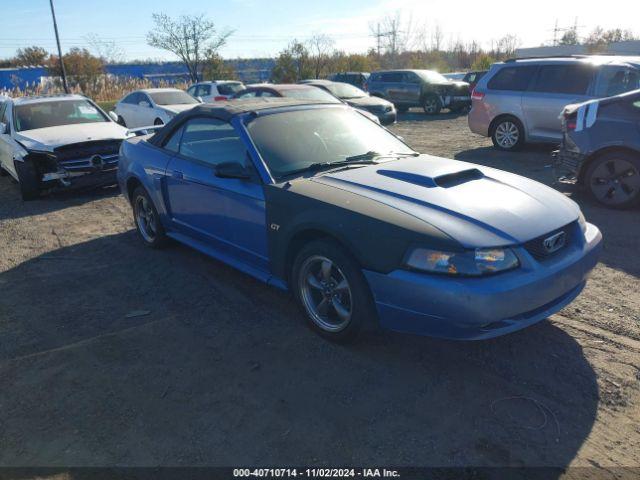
[55, 28]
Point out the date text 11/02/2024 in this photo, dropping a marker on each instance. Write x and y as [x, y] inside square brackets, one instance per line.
[315, 473]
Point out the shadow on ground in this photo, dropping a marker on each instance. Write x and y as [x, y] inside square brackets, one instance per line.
[12, 206]
[169, 358]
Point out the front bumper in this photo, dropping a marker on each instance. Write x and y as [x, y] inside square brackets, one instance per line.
[482, 308]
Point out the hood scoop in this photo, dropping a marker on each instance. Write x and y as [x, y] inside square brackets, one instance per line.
[444, 181]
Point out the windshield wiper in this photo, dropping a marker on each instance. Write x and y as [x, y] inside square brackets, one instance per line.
[371, 155]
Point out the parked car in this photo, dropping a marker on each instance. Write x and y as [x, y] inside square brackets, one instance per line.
[419, 88]
[152, 106]
[520, 100]
[472, 78]
[316, 199]
[215, 91]
[357, 79]
[57, 141]
[381, 108]
[295, 91]
[600, 149]
[455, 76]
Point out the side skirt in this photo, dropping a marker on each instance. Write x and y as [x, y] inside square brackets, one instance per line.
[261, 275]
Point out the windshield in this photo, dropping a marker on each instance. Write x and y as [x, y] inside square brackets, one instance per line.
[344, 90]
[309, 93]
[291, 141]
[31, 116]
[431, 76]
[177, 97]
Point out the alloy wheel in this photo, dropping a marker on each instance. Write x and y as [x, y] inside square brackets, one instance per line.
[507, 134]
[431, 105]
[146, 219]
[325, 293]
[615, 181]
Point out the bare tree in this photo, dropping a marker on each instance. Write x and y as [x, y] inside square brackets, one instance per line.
[437, 37]
[320, 49]
[188, 37]
[107, 50]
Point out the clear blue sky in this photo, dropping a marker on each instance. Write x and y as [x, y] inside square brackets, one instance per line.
[263, 28]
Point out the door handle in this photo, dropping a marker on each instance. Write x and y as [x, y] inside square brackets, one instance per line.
[177, 174]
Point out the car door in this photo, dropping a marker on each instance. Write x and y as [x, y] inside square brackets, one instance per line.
[393, 86]
[6, 151]
[554, 87]
[411, 88]
[145, 111]
[227, 214]
[126, 109]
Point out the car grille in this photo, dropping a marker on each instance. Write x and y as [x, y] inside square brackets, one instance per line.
[537, 249]
[88, 156]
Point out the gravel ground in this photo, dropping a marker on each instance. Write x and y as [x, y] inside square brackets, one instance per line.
[112, 354]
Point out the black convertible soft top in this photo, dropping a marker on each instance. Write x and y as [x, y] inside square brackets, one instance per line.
[227, 110]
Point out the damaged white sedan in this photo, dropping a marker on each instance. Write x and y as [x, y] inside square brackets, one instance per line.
[58, 141]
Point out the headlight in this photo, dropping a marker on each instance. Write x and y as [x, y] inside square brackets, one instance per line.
[582, 222]
[481, 261]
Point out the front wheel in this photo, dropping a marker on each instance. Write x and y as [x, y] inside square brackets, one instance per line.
[614, 179]
[28, 180]
[508, 134]
[147, 220]
[332, 291]
[431, 104]
[158, 122]
[121, 121]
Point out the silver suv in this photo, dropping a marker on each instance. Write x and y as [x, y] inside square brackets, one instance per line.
[521, 100]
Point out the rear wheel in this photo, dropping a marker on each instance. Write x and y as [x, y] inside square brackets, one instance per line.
[614, 179]
[329, 285]
[508, 134]
[147, 220]
[431, 104]
[28, 180]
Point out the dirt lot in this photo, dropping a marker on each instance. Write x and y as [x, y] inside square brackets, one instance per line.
[112, 354]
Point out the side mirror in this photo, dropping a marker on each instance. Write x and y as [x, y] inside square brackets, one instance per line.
[3, 128]
[200, 99]
[144, 104]
[232, 170]
[113, 116]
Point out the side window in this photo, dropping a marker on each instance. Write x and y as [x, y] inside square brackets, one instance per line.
[266, 94]
[131, 99]
[192, 91]
[211, 141]
[143, 97]
[173, 144]
[512, 78]
[410, 77]
[616, 80]
[203, 90]
[392, 77]
[3, 107]
[247, 94]
[568, 79]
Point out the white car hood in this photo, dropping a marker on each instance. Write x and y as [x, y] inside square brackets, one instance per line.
[47, 139]
[178, 108]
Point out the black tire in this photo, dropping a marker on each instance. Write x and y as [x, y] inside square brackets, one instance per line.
[613, 179]
[402, 108]
[28, 180]
[356, 298]
[121, 121]
[157, 122]
[507, 134]
[431, 104]
[146, 219]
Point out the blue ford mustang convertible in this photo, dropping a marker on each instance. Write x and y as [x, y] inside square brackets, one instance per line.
[320, 200]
